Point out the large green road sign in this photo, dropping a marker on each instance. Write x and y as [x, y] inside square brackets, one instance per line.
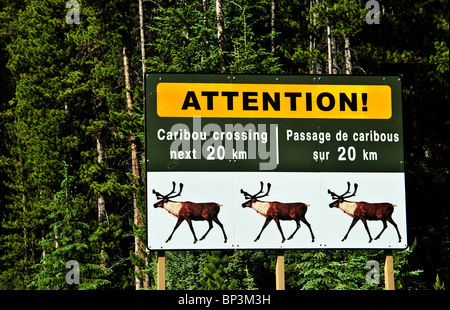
[225, 138]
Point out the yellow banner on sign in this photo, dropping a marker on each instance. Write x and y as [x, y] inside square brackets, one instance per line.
[227, 100]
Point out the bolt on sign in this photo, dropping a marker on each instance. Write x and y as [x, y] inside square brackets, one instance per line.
[274, 162]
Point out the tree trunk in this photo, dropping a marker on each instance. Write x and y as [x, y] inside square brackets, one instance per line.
[141, 28]
[146, 282]
[312, 41]
[272, 26]
[100, 199]
[220, 35]
[315, 67]
[348, 55]
[332, 68]
[138, 245]
[205, 18]
[330, 56]
[101, 205]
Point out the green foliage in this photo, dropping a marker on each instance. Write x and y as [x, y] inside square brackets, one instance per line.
[185, 39]
[183, 269]
[212, 270]
[214, 274]
[438, 285]
[304, 270]
[66, 240]
[327, 270]
[66, 99]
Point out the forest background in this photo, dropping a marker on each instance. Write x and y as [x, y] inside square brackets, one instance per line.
[71, 131]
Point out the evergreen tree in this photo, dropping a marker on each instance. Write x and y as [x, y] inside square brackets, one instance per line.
[66, 241]
[183, 38]
[36, 135]
[69, 105]
[215, 277]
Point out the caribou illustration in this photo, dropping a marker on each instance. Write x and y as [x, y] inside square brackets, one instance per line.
[274, 210]
[189, 211]
[364, 211]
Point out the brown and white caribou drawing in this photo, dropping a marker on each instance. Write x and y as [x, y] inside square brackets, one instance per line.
[274, 210]
[189, 211]
[364, 211]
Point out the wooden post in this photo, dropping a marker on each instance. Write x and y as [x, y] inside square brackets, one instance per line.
[161, 271]
[279, 271]
[389, 283]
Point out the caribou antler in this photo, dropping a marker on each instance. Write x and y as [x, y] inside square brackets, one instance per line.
[246, 195]
[268, 190]
[348, 190]
[179, 193]
[160, 196]
[333, 194]
[336, 196]
[173, 189]
[354, 192]
[262, 187]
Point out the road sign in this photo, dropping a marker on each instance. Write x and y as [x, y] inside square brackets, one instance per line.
[236, 157]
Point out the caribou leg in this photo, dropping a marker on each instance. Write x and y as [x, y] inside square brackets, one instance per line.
[264, 226]
[192, 229]
[298, 226]
[309, 226]
[279, 228]
[180, 220]
[210, 227]
[390, 220]
[221, 226]
[367, 229]
[355, 220]
[384, 227]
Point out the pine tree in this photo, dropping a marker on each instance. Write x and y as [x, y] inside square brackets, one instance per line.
[66, 241]
[331, 26]
[6, 93]
[251, 52]
[36, 134]
[106, 169]
[68, 107]
[183, 38]
[214, 274]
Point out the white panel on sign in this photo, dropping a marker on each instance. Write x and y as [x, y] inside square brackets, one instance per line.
[242, 225]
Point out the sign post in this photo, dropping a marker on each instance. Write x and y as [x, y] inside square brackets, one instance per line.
[161, 270]
[389, 283]
[279, 271]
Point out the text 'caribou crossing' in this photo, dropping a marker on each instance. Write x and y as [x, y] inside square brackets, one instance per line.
[233, 142]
